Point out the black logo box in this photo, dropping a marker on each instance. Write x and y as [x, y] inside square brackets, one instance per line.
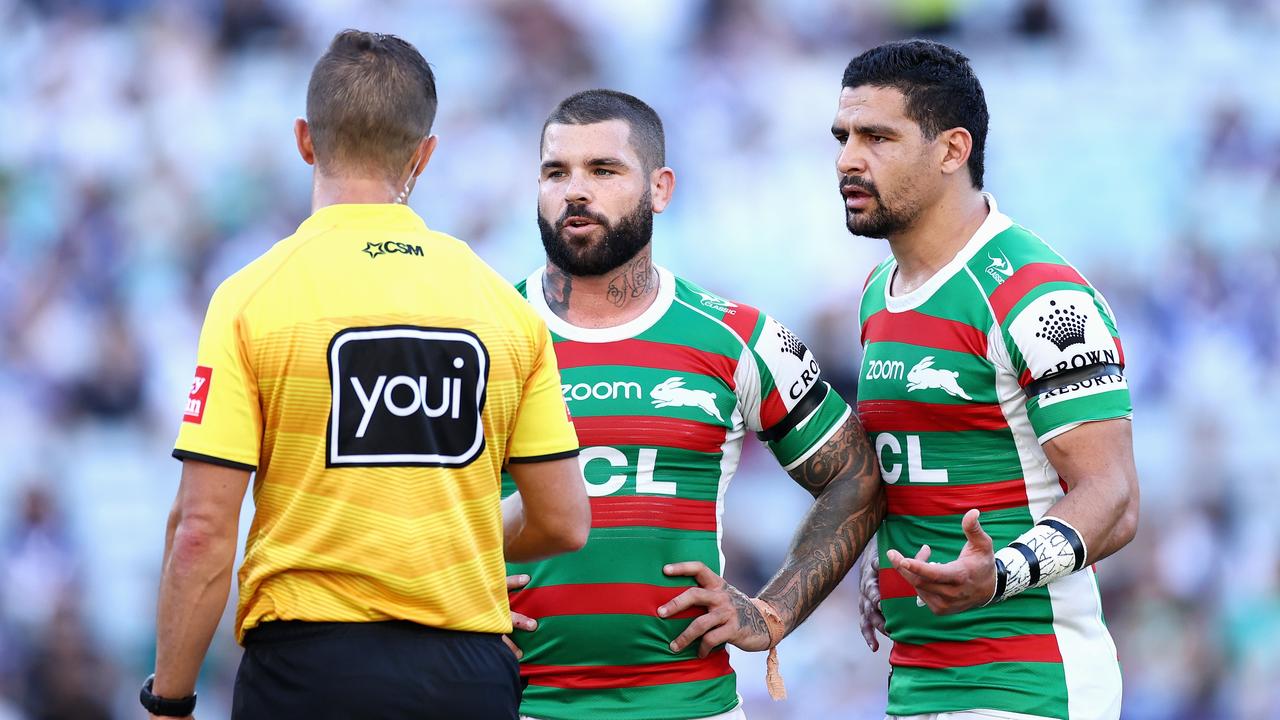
[406, 396]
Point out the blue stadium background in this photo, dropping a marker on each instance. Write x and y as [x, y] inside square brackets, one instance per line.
[146, 153]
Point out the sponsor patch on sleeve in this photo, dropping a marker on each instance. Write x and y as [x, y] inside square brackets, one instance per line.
[1063, 330]
[198, 397]
[794, 368]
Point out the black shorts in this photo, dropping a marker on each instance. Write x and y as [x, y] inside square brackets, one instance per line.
[378, 670]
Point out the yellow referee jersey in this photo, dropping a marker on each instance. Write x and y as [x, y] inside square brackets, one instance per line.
[377, 375]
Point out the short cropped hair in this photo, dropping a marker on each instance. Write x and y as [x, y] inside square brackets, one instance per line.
[593, 106]
[940, 87]
[371, 99]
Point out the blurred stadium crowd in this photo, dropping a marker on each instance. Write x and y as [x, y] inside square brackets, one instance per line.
[146, 152]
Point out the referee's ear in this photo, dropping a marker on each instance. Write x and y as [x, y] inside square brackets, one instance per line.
[422, 155]
[302, 133]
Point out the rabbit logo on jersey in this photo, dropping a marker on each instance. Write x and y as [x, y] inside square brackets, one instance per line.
[924, 376]
[672, 393]
[406, 396]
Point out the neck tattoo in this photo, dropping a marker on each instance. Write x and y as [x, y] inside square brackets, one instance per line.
[636, 279]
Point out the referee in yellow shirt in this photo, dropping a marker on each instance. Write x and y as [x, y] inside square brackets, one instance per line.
[377, 377]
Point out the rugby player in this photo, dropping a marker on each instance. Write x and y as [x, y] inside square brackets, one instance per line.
[664, 379]
[993, 387]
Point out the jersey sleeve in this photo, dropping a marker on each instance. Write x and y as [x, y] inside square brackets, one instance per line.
[783, 396]
[1066, 353]
[542, 429]
[222, 421]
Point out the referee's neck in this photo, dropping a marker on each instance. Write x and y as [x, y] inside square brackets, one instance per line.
[328, 191]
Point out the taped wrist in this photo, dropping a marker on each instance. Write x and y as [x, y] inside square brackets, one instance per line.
[1046, 552]
[777, 630]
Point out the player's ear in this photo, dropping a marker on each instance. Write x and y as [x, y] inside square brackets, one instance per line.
[422, 155]
[302, 133]
[956, 144]
[662, 183]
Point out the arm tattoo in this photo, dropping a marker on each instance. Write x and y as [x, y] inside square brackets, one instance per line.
[556, 288]
[844, 476]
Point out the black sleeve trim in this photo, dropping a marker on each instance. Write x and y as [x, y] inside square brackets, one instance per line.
[1032, 560]
[1077, 375]
[1002, 580]
[807, 405]
[1077, 546]
[543, 458]
[188, 455]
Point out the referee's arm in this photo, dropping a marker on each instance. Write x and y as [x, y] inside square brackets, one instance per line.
[549, 514]
[199, 552]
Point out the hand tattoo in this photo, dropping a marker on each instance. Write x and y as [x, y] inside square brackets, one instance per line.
[749, 617]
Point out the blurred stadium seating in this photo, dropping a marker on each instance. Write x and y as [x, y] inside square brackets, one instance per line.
[146, 152]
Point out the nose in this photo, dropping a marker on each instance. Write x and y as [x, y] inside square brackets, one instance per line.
[577, 190]
[851, 161]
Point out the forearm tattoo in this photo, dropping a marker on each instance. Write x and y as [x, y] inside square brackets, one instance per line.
[845, 478]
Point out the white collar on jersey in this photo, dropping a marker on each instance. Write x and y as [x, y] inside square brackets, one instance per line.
[996, 223]
[629, 329]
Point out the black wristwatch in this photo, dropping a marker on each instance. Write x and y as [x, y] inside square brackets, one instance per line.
[165, 707]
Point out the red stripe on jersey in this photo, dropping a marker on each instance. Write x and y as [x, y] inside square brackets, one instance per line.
[1119, 349]
[1019, 648]
[743, 321]
[645, 353]
[1025, 378]
[955, 499]
[598, 599]
[772, 410]
[893, 585]
[913, 328]
[604, 677]
[648, 511]
[649, 430]
[911, 416]
[1026, 279]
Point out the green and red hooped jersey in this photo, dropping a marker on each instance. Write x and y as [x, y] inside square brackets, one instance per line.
[661, 405]
[951, 394]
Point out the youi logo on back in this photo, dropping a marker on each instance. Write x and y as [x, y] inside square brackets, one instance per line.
[406, 396]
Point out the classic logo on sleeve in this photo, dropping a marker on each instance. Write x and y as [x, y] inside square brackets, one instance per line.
[406, 396]
[198, 397]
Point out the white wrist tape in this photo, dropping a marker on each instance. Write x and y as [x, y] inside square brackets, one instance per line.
[1046, 552]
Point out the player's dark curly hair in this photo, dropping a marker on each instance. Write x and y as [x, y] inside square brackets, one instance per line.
[939, 85]
[594, 106]
[371, 99]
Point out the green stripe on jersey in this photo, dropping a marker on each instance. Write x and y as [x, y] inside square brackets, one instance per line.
[589, 639]
[629, 391]
[625, 555]
[976, 374]
[685, 326]
[696, 474]
[1098, 406]
[677, 701]
[1032, 688]
[970, 456]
